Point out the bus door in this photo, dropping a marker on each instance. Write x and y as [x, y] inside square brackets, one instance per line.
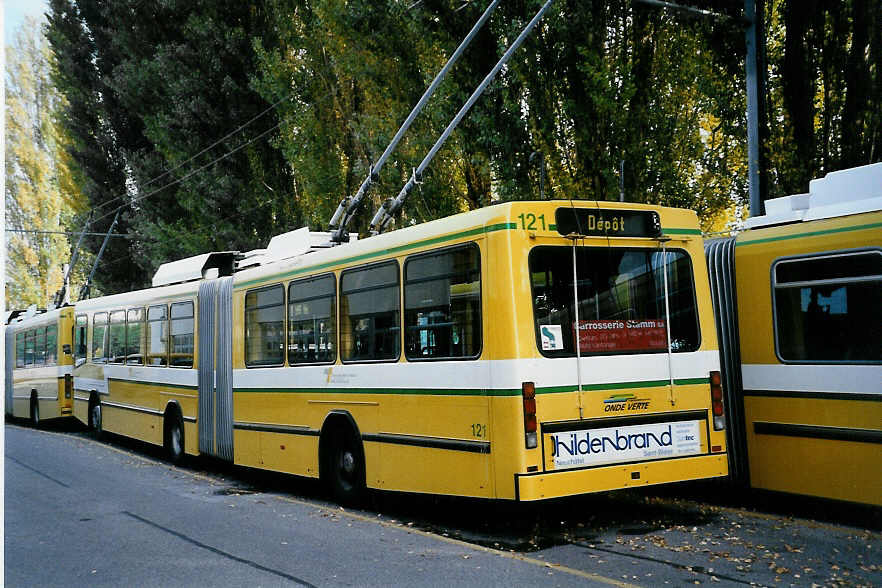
[216, 368]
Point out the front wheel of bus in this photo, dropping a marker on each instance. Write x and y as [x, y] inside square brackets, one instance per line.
[35, 411]
[347, 469]
[95, 417]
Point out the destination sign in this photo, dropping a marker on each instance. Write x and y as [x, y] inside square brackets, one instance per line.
[603, 222]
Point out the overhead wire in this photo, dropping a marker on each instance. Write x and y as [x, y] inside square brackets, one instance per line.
[190, 174]
[216, 143]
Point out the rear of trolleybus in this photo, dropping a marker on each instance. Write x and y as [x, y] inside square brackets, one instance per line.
[39, 366]
[622, 388]
[809, 287]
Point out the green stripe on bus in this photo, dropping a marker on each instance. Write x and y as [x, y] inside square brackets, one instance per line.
[387, 251]
[385, 391]
[471, 391]
[622, 385]
[809, 234]
[681, 231]
[141, 383]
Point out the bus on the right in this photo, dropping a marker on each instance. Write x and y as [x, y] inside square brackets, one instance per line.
[798, 303]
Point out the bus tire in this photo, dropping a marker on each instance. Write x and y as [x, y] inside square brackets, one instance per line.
[344, 470]
[35, 410]
[95, 416]
[173, 426]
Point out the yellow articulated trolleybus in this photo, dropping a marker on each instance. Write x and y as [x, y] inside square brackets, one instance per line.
[39, 365]
[444, 358]
[799, 294]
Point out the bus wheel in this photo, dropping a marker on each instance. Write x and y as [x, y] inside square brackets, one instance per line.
[95, 417]
[346, 467]
[174, 437]
[35, 411]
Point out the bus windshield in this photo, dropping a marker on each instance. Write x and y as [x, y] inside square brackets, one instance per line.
[621, 300]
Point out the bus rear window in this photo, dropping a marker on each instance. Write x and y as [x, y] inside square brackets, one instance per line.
[621, 300]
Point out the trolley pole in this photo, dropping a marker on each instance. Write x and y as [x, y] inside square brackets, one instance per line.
[84, 291]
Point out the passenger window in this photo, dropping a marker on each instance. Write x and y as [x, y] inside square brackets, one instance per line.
[117, 345]
[312, 320]
[442, 304]
[370, 313]
[19, 350]
[99, 337]
[182, 339]
[29, 348]
[157, 335]
[52, 345]
[264, 326]
[40, 347]
[135, 336]
[80, 336]
[827, 308]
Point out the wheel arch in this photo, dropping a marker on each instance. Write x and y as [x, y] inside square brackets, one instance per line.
[335, 420]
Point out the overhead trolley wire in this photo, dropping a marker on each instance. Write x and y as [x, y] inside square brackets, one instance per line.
[183, 163]
[190, 174]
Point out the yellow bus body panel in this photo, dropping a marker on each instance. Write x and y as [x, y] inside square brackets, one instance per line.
[828, 468]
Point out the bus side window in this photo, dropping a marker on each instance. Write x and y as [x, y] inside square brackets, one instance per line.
[52, 345]
[135, 336]
[99, 336]
[182, 334]
[19, 350]
[157, 335]
[116, 347]
[29, 347]
[827, 307]
[442, 304]
[312, 320]
[370, 314]
[265, 326]
[40, 347]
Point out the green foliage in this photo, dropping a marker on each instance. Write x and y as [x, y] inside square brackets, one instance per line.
[39, 191]
[825, 67]
[591, 87]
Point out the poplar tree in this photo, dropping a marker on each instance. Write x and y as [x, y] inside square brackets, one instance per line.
[40, 194]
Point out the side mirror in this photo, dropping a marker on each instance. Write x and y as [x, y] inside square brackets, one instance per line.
[66, 348]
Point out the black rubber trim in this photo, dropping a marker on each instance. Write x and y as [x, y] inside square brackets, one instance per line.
[815, 395]
[619, 421]
[430, 442]
[266, 428]
[818, 432]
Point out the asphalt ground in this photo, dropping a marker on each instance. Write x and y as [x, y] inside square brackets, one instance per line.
[112, 512]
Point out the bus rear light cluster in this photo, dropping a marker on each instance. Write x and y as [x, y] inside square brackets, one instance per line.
[528, 391]
[716, 386]
[68, 385]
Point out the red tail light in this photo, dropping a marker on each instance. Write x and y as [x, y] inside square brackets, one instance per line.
[528, 391]
[716, 386]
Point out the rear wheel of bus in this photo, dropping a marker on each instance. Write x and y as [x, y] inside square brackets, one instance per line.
[343, 468]
[174, 435]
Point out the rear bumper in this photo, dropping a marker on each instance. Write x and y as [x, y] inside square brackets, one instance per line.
[546, 485]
